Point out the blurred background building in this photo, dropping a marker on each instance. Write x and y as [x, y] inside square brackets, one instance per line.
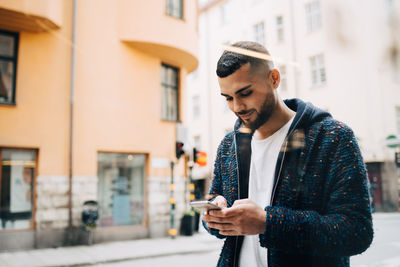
[91, 93]
[341, 55]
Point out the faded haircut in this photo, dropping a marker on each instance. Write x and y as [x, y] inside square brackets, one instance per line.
[229, 62]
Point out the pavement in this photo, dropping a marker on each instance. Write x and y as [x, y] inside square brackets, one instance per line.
[112, 252]
[384, 251]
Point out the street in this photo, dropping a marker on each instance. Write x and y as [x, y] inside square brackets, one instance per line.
[194, 259]
[384, 251]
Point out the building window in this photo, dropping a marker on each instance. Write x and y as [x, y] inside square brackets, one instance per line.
[313, 16]
[283, 83]
[169, 84]
[196, 107]
[121, 189]
[258, 30]
[17, 177]
[174, 8]
[223, 12]
[398, 120]
[318, 73]
[8, 66]
[279, 29]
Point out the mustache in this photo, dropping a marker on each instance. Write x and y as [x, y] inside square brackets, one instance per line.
[244, 112]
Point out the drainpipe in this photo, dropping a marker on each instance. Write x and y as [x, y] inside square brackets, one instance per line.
[71, 124]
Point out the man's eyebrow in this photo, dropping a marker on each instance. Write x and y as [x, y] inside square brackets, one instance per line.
[239, 91]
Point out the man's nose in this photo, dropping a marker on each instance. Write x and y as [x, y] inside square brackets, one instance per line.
[238, 106]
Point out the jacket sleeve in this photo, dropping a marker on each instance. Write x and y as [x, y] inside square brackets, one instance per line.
[216, 188]
[345, 228]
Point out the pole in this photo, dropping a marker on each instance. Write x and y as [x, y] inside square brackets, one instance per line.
[191, 184]
[71, 124]
[172, 231]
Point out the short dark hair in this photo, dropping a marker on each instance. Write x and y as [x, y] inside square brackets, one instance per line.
[230, 61]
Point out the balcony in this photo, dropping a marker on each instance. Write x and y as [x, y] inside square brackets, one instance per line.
[30, 16]
[145, 26]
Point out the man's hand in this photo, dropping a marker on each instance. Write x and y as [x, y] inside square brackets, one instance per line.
[220, 201]
[244, 218]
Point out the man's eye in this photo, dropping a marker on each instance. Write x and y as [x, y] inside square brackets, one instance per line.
[246, 94]
[228, 99]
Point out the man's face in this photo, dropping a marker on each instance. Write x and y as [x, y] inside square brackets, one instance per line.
[249, 95]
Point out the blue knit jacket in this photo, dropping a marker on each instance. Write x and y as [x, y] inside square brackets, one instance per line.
[320, 210]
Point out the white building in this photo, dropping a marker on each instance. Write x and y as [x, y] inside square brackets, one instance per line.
[337, 54]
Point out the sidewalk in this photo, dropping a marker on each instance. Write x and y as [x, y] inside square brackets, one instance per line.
[112, 252]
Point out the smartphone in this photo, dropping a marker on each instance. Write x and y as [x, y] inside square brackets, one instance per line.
[204, 204]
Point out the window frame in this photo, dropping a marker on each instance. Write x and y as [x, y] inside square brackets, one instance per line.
[313, 14]
[283, 78]
[280, 29]
[146, 167]
[196, 107]
[176, 87]
[14, 61]
[318, 68]
[33, 222]
[397, 115]
[169, 8]
[257, 32]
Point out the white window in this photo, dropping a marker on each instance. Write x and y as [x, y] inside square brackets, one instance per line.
[398, 120]
[258, 30]
[283, 83]
[196, 107]
[313, 16]
[279, 29]
[317, 67]
[224, 13]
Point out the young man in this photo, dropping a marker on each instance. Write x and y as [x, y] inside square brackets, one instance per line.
[294, 191]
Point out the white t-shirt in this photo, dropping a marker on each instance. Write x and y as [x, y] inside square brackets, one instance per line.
[264, 155]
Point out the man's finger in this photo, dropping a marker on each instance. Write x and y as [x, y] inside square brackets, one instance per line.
[241, 201]
[224, 213]
[210, 218]
[220, 201]
[221, 226]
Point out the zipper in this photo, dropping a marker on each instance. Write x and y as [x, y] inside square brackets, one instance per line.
[279, 173]
[275, 186]
[238, 181]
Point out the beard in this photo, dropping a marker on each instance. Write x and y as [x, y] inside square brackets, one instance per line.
[266, 110]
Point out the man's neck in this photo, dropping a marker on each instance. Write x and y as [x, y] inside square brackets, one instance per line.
[281, 115]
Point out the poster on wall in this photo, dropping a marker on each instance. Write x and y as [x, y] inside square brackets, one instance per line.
[20, 191]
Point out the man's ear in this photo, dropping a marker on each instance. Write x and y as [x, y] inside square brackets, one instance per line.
[275, 78]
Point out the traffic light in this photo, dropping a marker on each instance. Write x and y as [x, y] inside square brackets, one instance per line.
[199, 157]
[194, 155]
[179, 149]
[397, 159]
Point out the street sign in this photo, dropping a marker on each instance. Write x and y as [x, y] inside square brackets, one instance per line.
[392, 141]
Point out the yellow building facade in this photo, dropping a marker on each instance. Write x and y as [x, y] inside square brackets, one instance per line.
[90, 98]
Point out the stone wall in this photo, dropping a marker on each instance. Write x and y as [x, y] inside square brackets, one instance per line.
[52, 199]
[159, 206]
